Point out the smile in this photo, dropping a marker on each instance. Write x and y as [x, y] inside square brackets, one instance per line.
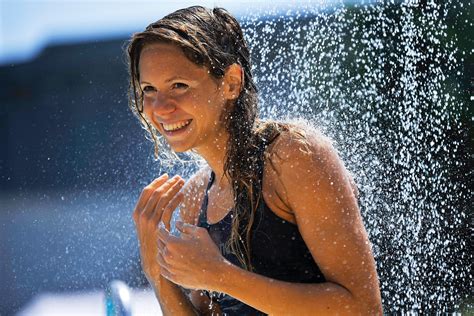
[176, 126]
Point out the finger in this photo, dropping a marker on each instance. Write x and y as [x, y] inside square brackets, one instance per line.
[156, 196]
[168, 275]
[170, 208]
[165, 257]
[165, 200]
[160, 257]
[157, 193]
[147, 191]
[163, 233]
[186, 228]
[165, 236]
[161, 244]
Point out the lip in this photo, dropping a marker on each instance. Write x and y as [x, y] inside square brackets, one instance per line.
[176, 132]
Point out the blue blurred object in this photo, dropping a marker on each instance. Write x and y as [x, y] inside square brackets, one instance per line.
[117, 299]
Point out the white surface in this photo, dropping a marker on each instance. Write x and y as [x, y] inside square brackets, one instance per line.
[144, 303]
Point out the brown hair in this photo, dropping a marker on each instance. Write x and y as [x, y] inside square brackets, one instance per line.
[214, 39]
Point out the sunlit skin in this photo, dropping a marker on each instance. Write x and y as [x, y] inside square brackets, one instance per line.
[311, 189]
[176, 90]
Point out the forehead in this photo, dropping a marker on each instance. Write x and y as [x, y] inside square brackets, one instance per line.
[162, 59]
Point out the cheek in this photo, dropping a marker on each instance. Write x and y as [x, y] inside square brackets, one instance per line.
[147, 108]
[146, 102]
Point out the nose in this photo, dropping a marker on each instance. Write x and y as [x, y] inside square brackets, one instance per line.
[159, 105]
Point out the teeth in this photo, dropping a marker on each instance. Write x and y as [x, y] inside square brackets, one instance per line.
[175, 126]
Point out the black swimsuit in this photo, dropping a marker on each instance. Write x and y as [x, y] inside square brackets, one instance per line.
[278, 251]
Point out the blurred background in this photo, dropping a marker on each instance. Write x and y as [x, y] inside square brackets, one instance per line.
[73, 159]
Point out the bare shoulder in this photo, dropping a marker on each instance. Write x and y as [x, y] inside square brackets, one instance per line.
[193, 195]
[300, 143]
[298, 153]
[302, 153]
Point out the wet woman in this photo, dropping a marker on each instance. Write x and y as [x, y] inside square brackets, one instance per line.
[271, 225]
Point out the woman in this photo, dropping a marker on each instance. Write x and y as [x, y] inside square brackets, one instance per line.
[272, 225]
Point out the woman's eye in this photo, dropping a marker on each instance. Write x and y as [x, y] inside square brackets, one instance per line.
[179, 85]
[148, 89]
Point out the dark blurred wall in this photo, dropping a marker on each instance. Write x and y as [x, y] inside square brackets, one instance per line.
[65, 121]
[72, 163]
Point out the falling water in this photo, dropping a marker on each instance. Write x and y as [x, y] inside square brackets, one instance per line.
[382, 79]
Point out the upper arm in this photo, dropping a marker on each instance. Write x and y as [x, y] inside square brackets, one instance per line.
[319, 191]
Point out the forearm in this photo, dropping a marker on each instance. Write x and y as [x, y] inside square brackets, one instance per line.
[284, 298]
[172, 300]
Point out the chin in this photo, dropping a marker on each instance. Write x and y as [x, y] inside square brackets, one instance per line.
[180, 148]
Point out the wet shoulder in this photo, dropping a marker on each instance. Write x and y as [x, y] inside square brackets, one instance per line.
[280, 155]
[299, 160]
[293, 157]
[193, 195]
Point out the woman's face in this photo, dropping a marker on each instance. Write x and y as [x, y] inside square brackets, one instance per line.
[182, 101]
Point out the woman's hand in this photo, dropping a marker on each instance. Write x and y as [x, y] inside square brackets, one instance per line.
[191, 260]
[157, 202]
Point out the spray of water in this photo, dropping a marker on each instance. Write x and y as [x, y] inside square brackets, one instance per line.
[382, 79]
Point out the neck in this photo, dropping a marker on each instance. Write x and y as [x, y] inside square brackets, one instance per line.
[214, 154]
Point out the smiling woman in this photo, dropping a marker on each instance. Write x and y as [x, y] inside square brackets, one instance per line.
[271, 225]
[180, 99]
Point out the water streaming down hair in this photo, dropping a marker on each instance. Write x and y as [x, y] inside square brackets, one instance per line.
[382, 81]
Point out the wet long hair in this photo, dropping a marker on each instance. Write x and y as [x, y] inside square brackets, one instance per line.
[213, 38]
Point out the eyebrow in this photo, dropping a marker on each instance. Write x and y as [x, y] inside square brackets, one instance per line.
[169, 80]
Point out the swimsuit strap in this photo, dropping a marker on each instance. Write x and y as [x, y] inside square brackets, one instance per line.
[202, 222]
[262, 146]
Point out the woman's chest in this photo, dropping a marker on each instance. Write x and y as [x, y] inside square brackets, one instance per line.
[220, 202]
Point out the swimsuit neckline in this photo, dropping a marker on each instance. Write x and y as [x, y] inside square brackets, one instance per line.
[211, 181]
[229, 214]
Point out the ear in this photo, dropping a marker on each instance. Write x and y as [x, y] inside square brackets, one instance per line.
[233, 82]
